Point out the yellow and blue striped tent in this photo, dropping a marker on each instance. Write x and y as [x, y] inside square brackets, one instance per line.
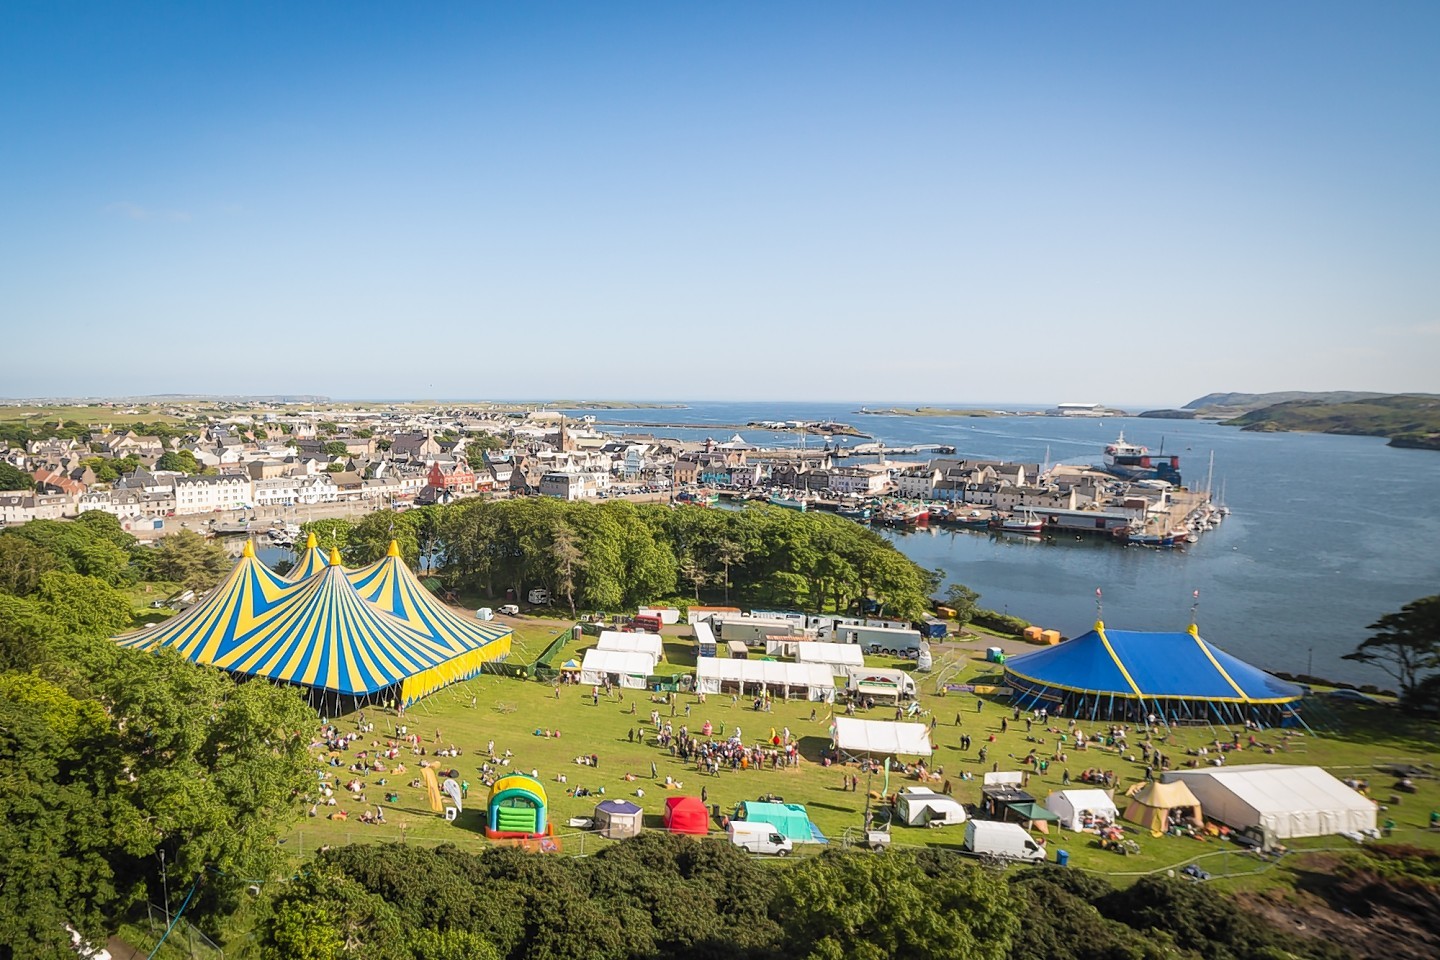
[318, 633]
[390, 585]
[311, 562]
[236, 608]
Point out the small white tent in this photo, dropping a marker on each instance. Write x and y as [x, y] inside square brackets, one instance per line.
[918, 807]
[839, 655]
[1072, 806]
[617, 666]
[853, 735]
[812, 681]
[631, 643]
[1286, 800]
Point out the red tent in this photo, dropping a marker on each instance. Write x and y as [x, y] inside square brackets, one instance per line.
[686, 815]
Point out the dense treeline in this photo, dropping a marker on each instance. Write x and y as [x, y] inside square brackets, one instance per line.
[111, 760]
[615, 555]
[660, 896]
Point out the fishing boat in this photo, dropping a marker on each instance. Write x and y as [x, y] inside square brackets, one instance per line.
[789, 503]
[1133, 462]
[223, 528]
[859, 513]
[1026, 522]
[701, 498]
[905, 515]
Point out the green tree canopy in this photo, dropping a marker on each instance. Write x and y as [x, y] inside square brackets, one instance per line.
[13, 478]
[182, 460]
[1406, 645]
[186, 557]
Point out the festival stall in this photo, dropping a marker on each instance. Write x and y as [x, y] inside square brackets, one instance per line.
[1081, 810]
[789, 819]
[618, 819]
[647, 643]
[807, 681]
[874, 683]
[686, 815]
[854, 736]
[617, 668]
[838, 656]
[920, 807]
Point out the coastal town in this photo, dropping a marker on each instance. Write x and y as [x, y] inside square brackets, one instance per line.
[222, 471]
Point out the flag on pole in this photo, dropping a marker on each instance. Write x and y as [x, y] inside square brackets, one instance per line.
[1097, 593]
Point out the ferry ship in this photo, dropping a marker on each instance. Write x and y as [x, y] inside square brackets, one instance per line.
[1133, 462]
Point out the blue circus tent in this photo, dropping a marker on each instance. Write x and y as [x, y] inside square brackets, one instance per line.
[1129, 674]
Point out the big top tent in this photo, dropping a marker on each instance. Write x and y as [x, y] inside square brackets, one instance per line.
[1126, 674]
[311, 562]
[321, 633]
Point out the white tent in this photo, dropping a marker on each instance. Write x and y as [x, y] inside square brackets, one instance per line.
[627, 669]
[1071, 806]
[835, 654]
[918, 807]
[810, 680]
[854, 735]
[631, 643]
[875, 682]
[1288, 801]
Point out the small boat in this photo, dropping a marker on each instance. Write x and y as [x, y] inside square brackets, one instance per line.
[223, 528]
[702, 498]
[790, 503]
[1164, 541]
[860, 514]
[1026, 522]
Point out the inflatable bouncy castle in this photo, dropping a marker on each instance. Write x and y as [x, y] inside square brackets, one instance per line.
[518, 809]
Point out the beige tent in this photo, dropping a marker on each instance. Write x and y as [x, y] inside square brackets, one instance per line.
[1153, 805]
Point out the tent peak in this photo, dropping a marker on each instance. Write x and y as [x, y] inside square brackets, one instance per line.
[249, 552]
[1193, 630]
[394, 549]
[335, 556]
[310, 542]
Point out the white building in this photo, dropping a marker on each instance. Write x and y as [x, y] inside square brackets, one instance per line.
[572, 486]
[866, 481]
[916, 483]
[284, 491]
[24, 507]
[208, 494]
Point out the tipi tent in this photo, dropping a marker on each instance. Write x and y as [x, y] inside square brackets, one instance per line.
[1154, 805]
[1285, 799]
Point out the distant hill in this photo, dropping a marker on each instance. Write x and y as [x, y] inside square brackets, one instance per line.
[1408, 419]
[1218, 405]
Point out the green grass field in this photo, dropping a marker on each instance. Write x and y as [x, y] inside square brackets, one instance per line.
[510, 711]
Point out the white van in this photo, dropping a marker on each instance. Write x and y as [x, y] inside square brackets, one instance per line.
[759, 838]
[1005, 841]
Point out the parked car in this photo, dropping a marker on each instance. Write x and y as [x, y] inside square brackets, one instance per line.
[509, 610]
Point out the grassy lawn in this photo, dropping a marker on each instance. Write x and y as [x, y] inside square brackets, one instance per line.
[511, 711]
[88, 415]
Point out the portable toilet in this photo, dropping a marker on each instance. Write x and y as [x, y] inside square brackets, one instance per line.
[995, 655]
[484, 613]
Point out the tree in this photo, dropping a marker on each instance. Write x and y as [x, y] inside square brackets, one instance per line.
[962, 600]
[188, 558]
[12, 478]
[21, 565]
[729, 553]
[847, 905]
[180, 460]
[568, 560]
[1404, 645]
[336, 448]
[85, 606]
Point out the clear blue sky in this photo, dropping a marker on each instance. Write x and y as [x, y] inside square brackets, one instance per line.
[949, 202]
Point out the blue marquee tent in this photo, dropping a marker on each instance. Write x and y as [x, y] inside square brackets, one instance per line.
[1129, 674]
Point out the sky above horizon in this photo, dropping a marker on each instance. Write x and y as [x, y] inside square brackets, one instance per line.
[951, 202]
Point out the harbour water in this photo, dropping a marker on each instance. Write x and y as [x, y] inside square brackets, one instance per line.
[1326, 534]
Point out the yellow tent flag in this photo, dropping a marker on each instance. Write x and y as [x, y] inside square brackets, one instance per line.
[432, 786]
